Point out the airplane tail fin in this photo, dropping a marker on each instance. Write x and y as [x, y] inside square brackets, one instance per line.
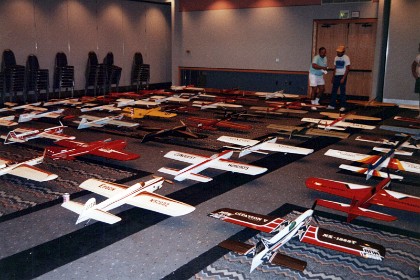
[354, 211]
[86, 212]
[82, 123]
[12, 138]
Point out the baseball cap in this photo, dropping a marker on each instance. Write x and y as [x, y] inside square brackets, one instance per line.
[341, 48]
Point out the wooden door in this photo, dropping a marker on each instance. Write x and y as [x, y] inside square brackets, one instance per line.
[359, 37]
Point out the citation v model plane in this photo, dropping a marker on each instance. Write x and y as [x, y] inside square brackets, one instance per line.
[266, 250]
[268, 144]
[139, 195]
[199, 163]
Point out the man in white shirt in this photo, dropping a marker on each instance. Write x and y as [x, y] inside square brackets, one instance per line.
[339, 79]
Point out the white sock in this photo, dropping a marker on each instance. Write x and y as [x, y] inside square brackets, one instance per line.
[317, 101]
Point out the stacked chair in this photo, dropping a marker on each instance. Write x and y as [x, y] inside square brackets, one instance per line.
[140, 72]
[36, 79]
[95, 75]
[12, 77]
[113, 73]
[63, 75]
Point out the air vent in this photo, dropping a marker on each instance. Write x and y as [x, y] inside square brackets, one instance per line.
[325, 2]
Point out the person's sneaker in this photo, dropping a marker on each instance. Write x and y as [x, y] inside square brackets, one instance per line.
[314, 108]
[342, 109]
[313, 102]
[316, 101]
[330, 107]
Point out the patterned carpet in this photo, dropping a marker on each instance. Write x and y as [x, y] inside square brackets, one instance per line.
[401, 260]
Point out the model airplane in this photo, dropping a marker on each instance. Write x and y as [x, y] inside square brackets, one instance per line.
[375, 163]
[349, 116]
[158, 99]
[277, 94]
[371, 103]
[410, 143]
[26, 169]
[266, 250]
[177, 131]
[307, 131]
[12, 107]
[103, 148]
[93, 121]
[139, 195]
[362, 197]
[40, 114]
[276, 110]
[213, 124]
[21, 135]
[269, 144]
[199, 163]
[7, 121]
[214, 105]
[109, 108]
[337, 124]
[137, 113]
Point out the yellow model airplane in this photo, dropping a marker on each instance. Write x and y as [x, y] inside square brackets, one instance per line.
[138, 113]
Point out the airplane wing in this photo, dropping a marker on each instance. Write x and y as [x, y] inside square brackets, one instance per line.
[248, 219]
[160, 204]
[350, 116]
[364, 170]
[275, 147]
[122, 123]
[89, 117]
[8, 121]
[338, 125]
[404, 165]
[160, 114]
[114, 154]
[55, 136]
[397, 200]
[343, 189]
[238, 167]
[238, 141]
[32, 173]
[185, 157]
[343, 243]
[4, 162]
[107, 189]
[352, 156]
[228, 124]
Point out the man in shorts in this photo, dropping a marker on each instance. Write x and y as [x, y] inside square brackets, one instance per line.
[316, 76]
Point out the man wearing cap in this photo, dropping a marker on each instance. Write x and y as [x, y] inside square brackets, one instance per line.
[339, 79]
[316, 80]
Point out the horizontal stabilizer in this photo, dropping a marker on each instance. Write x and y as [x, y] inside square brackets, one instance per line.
[237, 247]
[355, 211]
[376, 173]
[329, 127]
[95, 214]
[170, 171]
[195, 177]
[397, 152]
[286, 261]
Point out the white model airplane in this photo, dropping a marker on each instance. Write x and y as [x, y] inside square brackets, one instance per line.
[214, 105]
[139, 195]
[199, 163]
[37, 114]
[375, 163]
[109, 108]
[337, 124]
[276, 94]
[269, 144]
[8, 121]
[93, 121]
[21, 135]
[174, 98]
[410, 143]
[266, 250]
[26, 169]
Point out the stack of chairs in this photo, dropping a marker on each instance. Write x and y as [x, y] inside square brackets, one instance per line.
[63, 75]
[12, 77]
[140, 72]
[95, 75]
[36, 79]
[113, 73]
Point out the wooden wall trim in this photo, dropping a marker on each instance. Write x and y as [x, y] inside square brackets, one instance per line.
[180, 68]
[203, 5]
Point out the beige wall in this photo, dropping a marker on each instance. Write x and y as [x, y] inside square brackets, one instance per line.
[45, 27]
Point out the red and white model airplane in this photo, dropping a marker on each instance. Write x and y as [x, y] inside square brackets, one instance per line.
[339, 122]
[375, 163]
[103, 148]
[268, 144]
[26, 169]
[199, 163]
[139, 195]
[213, 124]
[266, 250]
[21, 135]
[362, 197]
